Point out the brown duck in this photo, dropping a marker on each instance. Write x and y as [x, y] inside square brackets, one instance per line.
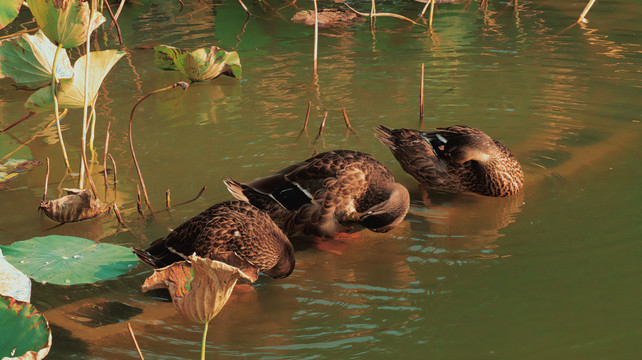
[233, 232]
[458, 159]
[338, 191]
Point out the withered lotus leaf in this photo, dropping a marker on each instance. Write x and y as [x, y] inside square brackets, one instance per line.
[199, 287]
[77, 206]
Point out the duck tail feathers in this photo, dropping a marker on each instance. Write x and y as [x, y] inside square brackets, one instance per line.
[385, 135]
[236, 189]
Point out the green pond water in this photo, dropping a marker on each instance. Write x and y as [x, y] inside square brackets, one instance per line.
[551, 273]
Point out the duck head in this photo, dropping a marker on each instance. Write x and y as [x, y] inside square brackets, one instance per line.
[384, 216]
[476, 147]
[285, 264]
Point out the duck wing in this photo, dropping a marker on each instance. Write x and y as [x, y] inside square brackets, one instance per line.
[420, 154]
[232, 231]
[334, 206]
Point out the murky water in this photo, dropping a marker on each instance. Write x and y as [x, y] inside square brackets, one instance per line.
[553, 272]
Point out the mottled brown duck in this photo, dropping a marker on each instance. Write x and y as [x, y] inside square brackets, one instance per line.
[234, 232]
[456, 159]
[339, 191]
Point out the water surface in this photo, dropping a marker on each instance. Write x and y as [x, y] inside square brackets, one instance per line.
[552, 272]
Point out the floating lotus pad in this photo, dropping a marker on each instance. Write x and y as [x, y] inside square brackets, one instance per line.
[198, 65]
[28, 60]
[25, 334]
[69, 260]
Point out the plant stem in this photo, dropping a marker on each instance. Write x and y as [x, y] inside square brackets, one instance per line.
[105, 158]
[55, 98]
[316, 35]
[432, 10]
[131, 331]
[83, 141]
[384, 15]
[585, 11]
[182, 84]
[204, 340]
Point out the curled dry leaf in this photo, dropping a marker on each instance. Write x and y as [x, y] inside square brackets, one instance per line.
[327, 17]
[77, 206]
[199, 287]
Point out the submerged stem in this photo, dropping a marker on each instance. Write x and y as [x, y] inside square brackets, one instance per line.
[55, 99]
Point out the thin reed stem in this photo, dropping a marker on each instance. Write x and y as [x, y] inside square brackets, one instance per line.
[183, 85]
[131, 331]
[54, 82]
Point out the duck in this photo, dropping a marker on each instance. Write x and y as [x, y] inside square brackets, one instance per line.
[334, 192]
[234, 232]
[455, 159]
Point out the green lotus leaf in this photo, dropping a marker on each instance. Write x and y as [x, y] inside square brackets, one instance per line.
[25, 334]
[69, 260]
[198, 65]
[28, 60]
[11, 168]
[65, 22]
[13, 282]
[8, 11]
[70, 91]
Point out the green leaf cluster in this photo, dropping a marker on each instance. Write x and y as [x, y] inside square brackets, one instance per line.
[199, 65]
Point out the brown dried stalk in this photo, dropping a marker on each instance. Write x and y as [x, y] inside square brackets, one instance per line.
[384, 15]
[167, 199]
[118, 216]
[305, 124]
[347, 121]
[322, 126]
[421, 95]
[105, 157]
[183, 85]
[131, 332]
[113, 19]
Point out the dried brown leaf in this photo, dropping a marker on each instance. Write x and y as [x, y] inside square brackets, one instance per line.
[77, 206]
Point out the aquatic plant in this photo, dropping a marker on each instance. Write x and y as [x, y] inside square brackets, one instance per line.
[8, 11]
[68, 260]
[199, 65]
[199, 288]
[26, 333]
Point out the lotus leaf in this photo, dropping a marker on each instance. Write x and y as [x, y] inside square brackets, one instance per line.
[13, 282]
[28, 60]
[11, 168]
[69, 260]
[198, 65]
[26, 333]
[199, 287]
[8, 11]
[65, 22]
[70, 91]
